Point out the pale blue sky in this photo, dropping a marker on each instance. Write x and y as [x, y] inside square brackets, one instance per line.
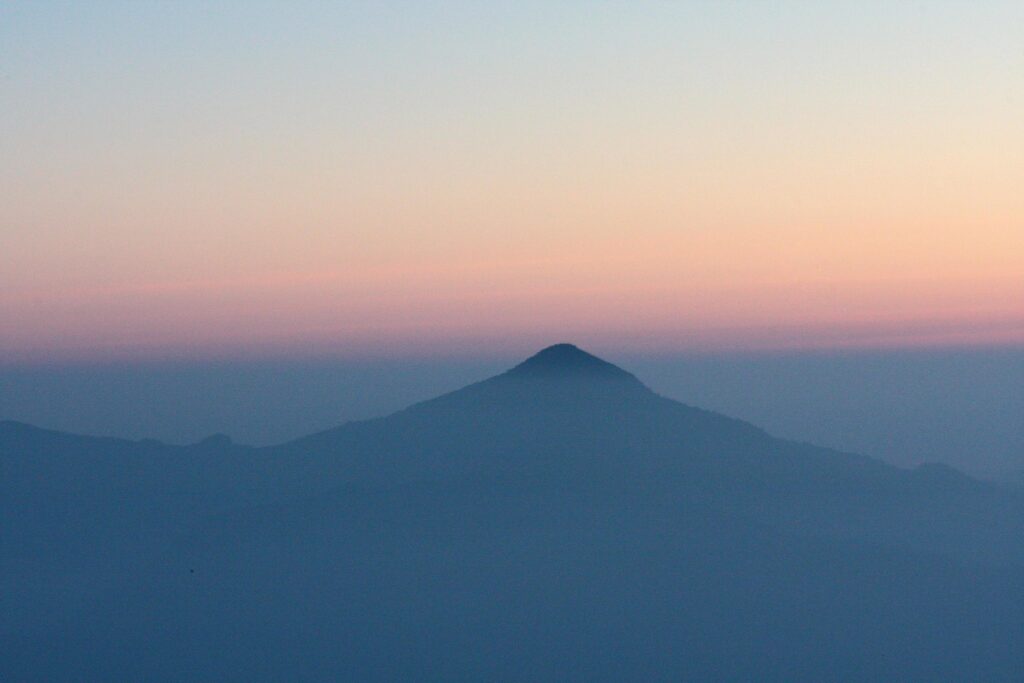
[843, 171]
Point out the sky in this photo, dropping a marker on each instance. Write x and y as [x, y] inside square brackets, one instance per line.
[216, 180]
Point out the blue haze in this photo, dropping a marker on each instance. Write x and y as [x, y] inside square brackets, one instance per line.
[557, 521]
[961, 407]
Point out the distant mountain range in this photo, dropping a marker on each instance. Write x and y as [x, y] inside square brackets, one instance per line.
[559, 521]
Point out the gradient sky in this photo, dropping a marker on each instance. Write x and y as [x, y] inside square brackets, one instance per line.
[374, 178]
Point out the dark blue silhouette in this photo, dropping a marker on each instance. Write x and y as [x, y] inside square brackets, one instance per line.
[559, 521]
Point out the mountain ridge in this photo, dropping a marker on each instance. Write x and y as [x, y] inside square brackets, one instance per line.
[556, 521]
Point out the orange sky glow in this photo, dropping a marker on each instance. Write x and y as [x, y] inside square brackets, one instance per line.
[843, 178]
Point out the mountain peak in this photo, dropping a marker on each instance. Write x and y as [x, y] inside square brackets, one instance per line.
[567, 361]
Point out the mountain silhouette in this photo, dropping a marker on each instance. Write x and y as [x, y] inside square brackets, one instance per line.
[569, 362]
[557, 521]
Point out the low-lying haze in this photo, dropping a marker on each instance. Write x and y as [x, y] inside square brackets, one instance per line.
[961, 407]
